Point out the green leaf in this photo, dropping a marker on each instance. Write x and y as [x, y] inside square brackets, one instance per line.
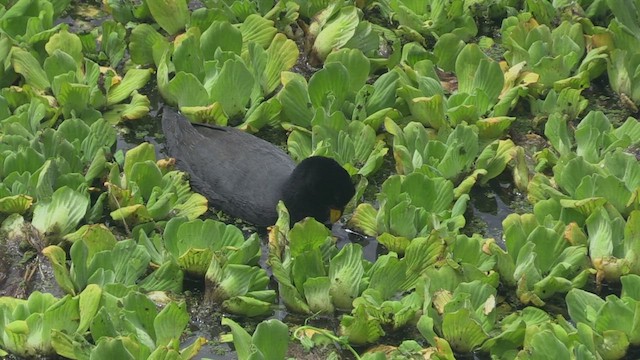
[139, 154]
[317, 293]
[336, 32]
[89, 303]
[325, 91]
[345, 273]
[462, 331]
[133, 80]
[146, 175]
[475, 71]
[583, 306]
[272, 338]
[62, 213]
[171, 15]
[136, 109]
[58, 259]
[294, 97]
[188, 91]
[360, 328]
[16, 204]
[307, 235]
[232, 87]
[282, 55]
[257, 29]
[356, 63]
[67, 42]
[447, 49]
[58, 63]
[170, 323]
[26, 65]
[220, 35]
[242, 341]
[145, 45]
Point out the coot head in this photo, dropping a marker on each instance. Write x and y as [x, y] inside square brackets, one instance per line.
[318, 187]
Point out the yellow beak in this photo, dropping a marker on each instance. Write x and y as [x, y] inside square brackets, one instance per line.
[334, 215]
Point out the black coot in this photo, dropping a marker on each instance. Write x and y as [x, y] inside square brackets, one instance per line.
[245, 176]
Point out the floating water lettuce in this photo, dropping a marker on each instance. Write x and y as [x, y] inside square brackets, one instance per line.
[543, 256]
[598, 171]
[450, 153]
[97, 258]
[394, 296]
[269, 341]
[313, 276]
[481, 88]
[62, 213]
[460, 313]
[124, 12]
[411, 206]
[171, 15]
[613, 243]
[29, 326]
[433, 18]
[221, 255]
[79, 85]
[608, 323]
[217, 80]
[334, 33]
[624, 59]
[127, 324]
[53, 167]
[340, 26]
[354, 145]
[29, 21]
[143, 192]
[325, 100]
[513, 330]
[568, 102]
[548, 339]
[43, 325]
[557, 55]
[409, 349]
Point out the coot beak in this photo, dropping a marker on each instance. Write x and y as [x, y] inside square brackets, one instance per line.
[334, 215]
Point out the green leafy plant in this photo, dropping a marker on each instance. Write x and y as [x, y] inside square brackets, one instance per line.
[411, 206]
[557, 55]
[568, 102]
[433, 18]
[127, 324]
[624, 58]
[221, 254]
[613, 243]
[481, 92]
[97, 258]
[337, 91]
[543, 256]
[313, 276]
[269, 341]
[29, 325]
[247, 65]
[463, 313]
[76, 83]
[394, 296]
[28, 21]
[607, 324]
[599, 170]
[144, 192]
[451, 153]
[354, 145]
[53, 167]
